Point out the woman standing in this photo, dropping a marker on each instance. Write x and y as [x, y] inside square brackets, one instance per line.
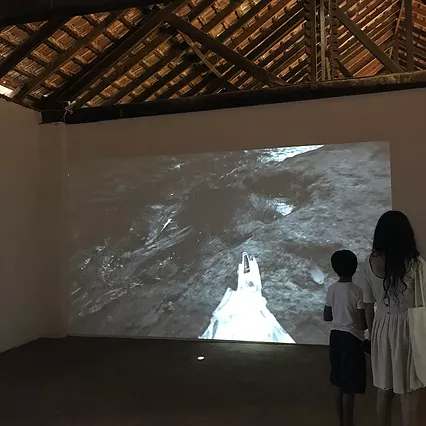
[393, 271]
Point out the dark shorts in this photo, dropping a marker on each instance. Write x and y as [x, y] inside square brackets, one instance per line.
[348, 366]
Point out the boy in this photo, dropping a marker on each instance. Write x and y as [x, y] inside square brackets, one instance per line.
[345, 309]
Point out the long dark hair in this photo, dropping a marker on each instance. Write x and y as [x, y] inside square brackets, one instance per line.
[394, 240]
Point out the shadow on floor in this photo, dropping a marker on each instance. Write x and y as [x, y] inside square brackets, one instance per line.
[125, 382]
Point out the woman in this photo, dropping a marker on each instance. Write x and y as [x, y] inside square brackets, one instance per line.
[392, 274]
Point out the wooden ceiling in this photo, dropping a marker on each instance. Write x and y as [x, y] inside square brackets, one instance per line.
[189, 48]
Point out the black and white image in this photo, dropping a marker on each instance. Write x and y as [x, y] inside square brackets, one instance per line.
[232, 245]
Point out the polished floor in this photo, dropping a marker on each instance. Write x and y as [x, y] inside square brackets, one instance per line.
[124, 382]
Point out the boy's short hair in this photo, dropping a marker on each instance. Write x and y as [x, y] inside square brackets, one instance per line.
[344, 263]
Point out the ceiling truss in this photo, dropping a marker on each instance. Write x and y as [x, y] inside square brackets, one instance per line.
[184, 48]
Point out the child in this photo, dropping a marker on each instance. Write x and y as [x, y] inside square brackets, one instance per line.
[344, 307]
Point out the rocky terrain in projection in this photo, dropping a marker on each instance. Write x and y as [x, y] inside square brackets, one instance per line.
[156, 242]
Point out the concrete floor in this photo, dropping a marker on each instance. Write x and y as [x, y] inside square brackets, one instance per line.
[123, 382]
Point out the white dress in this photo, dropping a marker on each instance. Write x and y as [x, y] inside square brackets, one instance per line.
[391, 354]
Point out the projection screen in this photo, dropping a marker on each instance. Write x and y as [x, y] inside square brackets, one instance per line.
[231, 246]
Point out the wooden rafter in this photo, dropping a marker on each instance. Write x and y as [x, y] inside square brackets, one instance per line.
[350, 55]
[161, 38]
[114, 54]
[159, 84]
[220, 49]
[279, 60]
[345, 72]
[362, 19]
[92, 64]
[288, 93]
[367, 42]
[368, 61]
[135, 59]
[279, 66]
[334, 47]
[311, 39]
[323, 39]
[201, 56]
[394, 49]
[261, 21]
[15, 12]
[185, 64]
[284, 63]
[408, 23]
[253, 51]
[174, 53]
[121, 70]
[66, 55]
[29, 45]
[386, 20]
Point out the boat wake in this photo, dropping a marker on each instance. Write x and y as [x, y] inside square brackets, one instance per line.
[242, 314]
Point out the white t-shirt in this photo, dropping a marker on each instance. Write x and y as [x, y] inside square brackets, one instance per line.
[345, 299]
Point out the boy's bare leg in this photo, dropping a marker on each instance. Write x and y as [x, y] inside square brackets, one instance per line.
[339, 406]
[348, 409]
[384, 407]
[409, 406]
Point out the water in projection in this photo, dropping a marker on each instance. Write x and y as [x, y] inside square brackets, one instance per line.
[231, 246]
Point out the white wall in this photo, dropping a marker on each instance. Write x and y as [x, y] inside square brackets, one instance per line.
[33, 186]
[21, 317]
[53, 229]
[397, 117]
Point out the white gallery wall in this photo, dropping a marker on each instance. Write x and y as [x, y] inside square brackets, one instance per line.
[33, 185]
[21, 306]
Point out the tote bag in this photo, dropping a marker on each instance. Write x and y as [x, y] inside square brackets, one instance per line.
[417, 324]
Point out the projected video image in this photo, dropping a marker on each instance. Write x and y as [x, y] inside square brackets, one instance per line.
[229, 246]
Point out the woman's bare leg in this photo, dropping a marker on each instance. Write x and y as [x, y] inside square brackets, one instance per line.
[384, 407]
[348, 409]
[409, 406]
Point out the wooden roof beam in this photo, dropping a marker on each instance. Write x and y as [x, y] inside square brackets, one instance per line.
[289, 93]
[323, 40]
[365, 61]
[254, 50]
[174, 53]
[162, 82]
[349, 57]
[385, 10]
[200, 55]
[132, 61]
[258, 23]
[371, 30]
[408, 23]
[77, 85]
[417, 65]
[252, 45]
[290, 56]
[394, 48]
[29, 45]
[121, 70]
[343, 70]
[418, 51]
[295, 75]
[367, 42]
[291, 60]
[15, 12]
[310, 27]
[224, 51]
[69, 53]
